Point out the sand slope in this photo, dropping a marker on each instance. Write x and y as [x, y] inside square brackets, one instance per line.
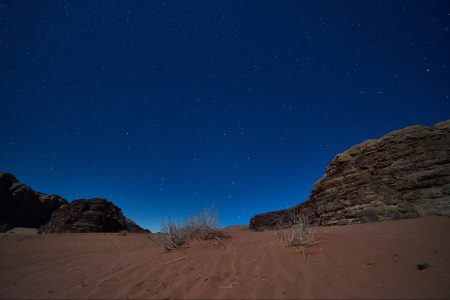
[375, 260]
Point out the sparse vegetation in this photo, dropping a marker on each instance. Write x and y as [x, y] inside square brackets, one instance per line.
[174, 235]
[299, 235]
[123, 233]
[203, 226]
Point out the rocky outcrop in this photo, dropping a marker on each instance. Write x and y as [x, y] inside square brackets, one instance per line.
[89, 215]
[404, 174]
[20, 206]
[133, 227]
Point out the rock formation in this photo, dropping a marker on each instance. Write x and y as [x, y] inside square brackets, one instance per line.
[404, 174]
[20, 206]
[89, 215]
[133, 227]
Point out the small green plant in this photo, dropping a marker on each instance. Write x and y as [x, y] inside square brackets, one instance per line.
[203, 226]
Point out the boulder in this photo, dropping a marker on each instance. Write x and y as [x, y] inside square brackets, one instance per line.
[20, 206]
[404, 174]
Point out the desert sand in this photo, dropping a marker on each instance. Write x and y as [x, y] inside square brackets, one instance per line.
[376, 260]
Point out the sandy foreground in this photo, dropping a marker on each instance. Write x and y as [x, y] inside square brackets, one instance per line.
[375, 260]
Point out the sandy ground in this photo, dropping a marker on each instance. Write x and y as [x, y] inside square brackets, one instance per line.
[359, 261]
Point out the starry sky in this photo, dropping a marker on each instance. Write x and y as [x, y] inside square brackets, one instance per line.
[169, 107]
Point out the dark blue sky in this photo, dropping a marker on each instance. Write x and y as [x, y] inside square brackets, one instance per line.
[168, 107]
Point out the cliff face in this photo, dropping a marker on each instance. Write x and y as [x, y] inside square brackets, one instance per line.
[404, 174]
[20, 206]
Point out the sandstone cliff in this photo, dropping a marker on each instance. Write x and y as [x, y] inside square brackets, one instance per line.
[89, 215]
[404, 174]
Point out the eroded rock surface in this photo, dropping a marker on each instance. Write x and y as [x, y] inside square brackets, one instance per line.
[89, 215]
[404, 174]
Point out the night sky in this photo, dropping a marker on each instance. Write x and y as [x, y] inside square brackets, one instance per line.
[166, 108]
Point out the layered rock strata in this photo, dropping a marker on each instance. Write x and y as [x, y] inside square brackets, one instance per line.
[404, 174]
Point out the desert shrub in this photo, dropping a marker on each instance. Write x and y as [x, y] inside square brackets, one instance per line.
[122, 233]
[203, 225]
[174, 235]
[300, 234]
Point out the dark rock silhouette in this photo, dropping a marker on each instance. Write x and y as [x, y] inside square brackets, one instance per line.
[404, 174]
[20, 206]
[89, 215]
[133, 227]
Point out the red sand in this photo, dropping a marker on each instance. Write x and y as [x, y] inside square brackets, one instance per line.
[375, 260]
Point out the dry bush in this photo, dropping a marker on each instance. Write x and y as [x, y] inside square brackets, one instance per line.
[174, 235]
[299, 235]
[202, 226]
[123, 233]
